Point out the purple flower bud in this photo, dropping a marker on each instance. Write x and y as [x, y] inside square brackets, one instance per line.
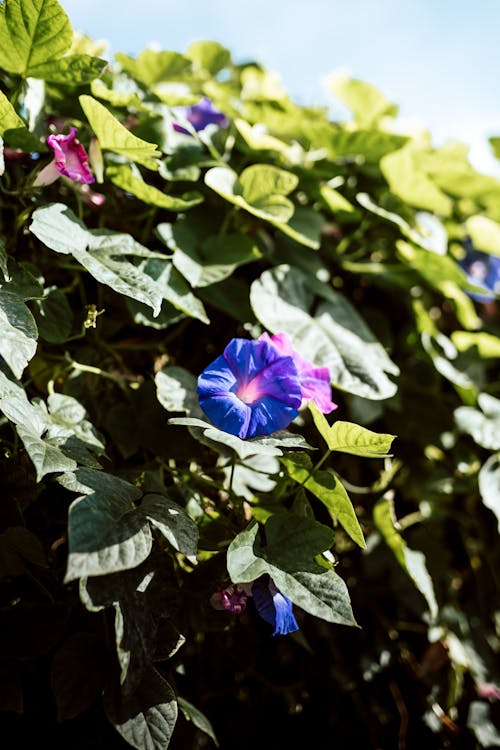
[232, 599]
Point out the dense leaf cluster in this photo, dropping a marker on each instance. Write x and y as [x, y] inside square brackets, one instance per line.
[122, 510]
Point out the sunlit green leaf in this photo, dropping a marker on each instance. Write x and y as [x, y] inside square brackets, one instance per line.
[18, 332]
[152, 66]
[489, 485]
[328, 489]
[347, 437]
[113, 136]
[124, 178]
[484, 233]
[9, 119]
[366, 102]
[32, 32]
[483, 424]
[72, 70]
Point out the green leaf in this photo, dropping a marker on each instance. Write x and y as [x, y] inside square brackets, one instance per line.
[347, 437]
[113, 136]
[211, 57]
[191, 713]
[489, 485]
[479, 720]
[483, 426]
[2, 170]
[203, 431]
[46, 458]
[366, 102]
[212, 261]
[176, 389]
[173, 288]
[123, 176]
[329, 490]
[260, 189]
[318, 590]
[106, 533]
[484, 233]
[32, 32]
[18, 332]
[172, 521]
[412, 561]
[72, 70]
[53, 316]
[145, 719]
[334, 335]
[487, 345]
[152, 66]
[9, 119]
[258, 140]
[100, 251]
[407, 179]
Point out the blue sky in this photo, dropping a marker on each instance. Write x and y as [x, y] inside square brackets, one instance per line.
[438, 60]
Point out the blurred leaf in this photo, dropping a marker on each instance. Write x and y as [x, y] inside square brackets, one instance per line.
[198, 718]
[72, 70]
[483, 426]
[113, 136]
[152, 66]
[484, 233]
[209, 56]
[53, 316]
[487, 345]
[335, 336]
[479, 720]
[366, 102]
[32, 32]
[407, 179]
[176, 389]
[328, 489]
[122, 176]
[412, 561]
[489, 485]
[77, 674]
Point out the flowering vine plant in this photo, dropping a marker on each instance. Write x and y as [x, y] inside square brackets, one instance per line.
[208, 342]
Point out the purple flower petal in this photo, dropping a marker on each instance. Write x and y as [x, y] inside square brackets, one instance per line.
[314, 381]
[70, 157]
[200, 115]
[250, 390]
[273, 606]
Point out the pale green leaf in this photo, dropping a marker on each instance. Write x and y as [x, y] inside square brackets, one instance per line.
[9, 119]
[72, 70]
[202, 431]
[481, 720]
[484, 233]
[32, 32]
[173, 288]
[208, 56]
[18, 332]
[46, 458]
[334, 335]
[329, 490]
[408, 180]
[257, 138]
[152, 66]
[366, 102]
[412, 561]
[123, 176]
[489, 485]
[487, 345]
[483, 424]
[113, 136]
[176, 389]
[347, 437]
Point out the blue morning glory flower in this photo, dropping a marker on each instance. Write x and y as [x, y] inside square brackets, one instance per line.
[483, 270]
[273, 606]
[200, 115]
[251, 389]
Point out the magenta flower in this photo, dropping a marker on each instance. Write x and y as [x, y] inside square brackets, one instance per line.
[251, 389]
[314, 381]
[200, 115]
[273, 606]
[70, 159]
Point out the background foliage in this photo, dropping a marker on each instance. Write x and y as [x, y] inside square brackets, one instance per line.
[121, 512]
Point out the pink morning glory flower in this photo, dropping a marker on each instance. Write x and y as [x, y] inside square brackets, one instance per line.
[70, 159]
[314, 381]
[251, 389]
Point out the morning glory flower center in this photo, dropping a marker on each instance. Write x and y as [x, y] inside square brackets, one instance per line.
[250, 392]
